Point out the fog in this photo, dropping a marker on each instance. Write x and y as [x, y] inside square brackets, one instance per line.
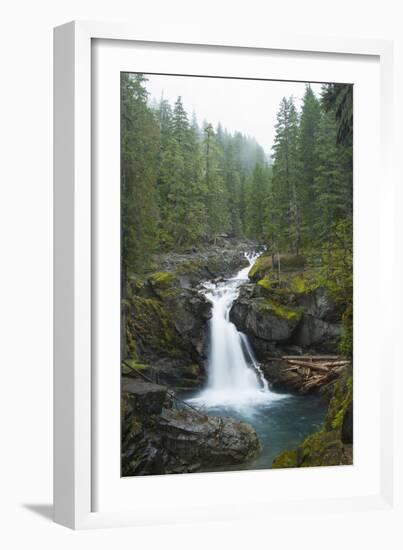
[248, 106]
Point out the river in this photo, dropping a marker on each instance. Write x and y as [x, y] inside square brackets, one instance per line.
[236, 386]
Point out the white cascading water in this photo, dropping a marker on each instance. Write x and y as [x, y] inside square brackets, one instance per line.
[234, 375]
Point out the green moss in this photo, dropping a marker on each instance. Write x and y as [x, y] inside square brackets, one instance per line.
[188, 267]
[261, 267]
[284, 312]
[164, 284]
[325, 447]
[300, 284]
[321, 449]
[151, 326]
[342, 397]
[162, 278]
[287, 459]
[267, 283]
[346, 342]
[133, 365]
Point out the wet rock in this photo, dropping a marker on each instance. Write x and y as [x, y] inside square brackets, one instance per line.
[319, 304]
[314, 332]
[143, 397]
[207, 442]
[167, 328]
[280, 378]
[206, 263]
[264, 320]
[157, 438]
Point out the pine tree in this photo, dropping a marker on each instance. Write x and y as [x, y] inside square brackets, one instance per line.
[286, 206]
[216, 196]
[308, 162]
[333, 182]
[139, 149]
[257, 195]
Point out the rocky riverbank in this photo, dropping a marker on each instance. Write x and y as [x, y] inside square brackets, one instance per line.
[157, 438]
[166, 317]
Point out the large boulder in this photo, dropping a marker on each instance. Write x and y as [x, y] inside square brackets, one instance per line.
[203, 442]
[160, 439]
[264, 321]
[293, 312]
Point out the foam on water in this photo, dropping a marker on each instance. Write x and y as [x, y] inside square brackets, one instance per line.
[234, 375]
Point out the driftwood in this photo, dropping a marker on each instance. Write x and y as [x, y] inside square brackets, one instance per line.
[312, 357]
[315, 370]
[312, 366]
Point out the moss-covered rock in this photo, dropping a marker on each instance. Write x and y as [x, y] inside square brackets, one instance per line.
[166, 330]
[287, 459]
[267, 264]
[164, 284]
[264, 320]
[292, 314]
[332, 445]
[262, 266]
[342, 398]
[150, 325]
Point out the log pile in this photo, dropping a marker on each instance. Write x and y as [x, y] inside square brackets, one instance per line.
[316, 370]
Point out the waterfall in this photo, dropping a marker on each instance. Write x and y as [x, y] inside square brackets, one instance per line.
[234, 375]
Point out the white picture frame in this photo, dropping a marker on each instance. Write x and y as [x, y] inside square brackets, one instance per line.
[79, 390]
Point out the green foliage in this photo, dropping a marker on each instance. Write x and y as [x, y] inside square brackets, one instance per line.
[284, 224]
[182, 185]
[308, 139]
[336, 274]
[257, 193]
[339, 98]
[139, 147]
[340, 401]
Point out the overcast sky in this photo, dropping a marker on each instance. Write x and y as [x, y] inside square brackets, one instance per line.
[248, 106]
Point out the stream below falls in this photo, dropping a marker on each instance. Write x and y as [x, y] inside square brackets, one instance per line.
[236, 386]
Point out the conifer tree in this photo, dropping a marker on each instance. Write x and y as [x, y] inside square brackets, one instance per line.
[308, 162]
[139, 149]
[286, 214]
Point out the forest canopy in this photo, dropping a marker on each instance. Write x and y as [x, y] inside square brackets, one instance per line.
[184, 185]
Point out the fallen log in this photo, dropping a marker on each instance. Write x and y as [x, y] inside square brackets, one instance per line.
[307, 365]
[336, 364]
[311, 357]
